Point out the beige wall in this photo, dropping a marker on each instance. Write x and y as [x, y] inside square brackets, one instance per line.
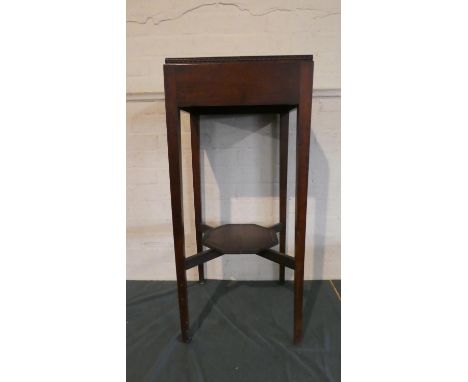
[232, 147]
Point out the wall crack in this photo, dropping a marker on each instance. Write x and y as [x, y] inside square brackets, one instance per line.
[155, 20]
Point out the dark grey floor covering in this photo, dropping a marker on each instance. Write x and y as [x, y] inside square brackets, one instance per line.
[241, 331]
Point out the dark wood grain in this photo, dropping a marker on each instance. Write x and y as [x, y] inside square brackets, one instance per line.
[237, 83]
[175, 178]
[304, 111]
[268, 84]
[240, 238]
[195, 139]
[195, 60]
[283, 142]
[201, 258]
[278, 257]
[239, 109]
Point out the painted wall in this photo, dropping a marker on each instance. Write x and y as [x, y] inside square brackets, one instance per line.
[239, 153]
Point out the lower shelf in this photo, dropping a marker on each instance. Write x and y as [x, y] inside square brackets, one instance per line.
[240, 238]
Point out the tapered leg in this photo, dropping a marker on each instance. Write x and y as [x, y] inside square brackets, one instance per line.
[302, 175]
[175, 175]
[283, 138]
[195, 138]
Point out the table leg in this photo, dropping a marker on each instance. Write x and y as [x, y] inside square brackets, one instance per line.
[175, 177]
[195, 138]
[302, 174]
[283, 138]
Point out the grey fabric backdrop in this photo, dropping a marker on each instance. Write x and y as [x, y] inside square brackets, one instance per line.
[241, 331]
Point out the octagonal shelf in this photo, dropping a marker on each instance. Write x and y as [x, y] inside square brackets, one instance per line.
[240, 238]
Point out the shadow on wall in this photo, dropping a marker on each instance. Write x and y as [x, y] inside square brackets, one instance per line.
[240, 181]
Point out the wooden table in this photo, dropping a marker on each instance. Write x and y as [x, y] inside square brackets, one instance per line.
[257, 84]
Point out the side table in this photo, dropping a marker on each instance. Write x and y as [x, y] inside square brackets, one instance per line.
[256, 84]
